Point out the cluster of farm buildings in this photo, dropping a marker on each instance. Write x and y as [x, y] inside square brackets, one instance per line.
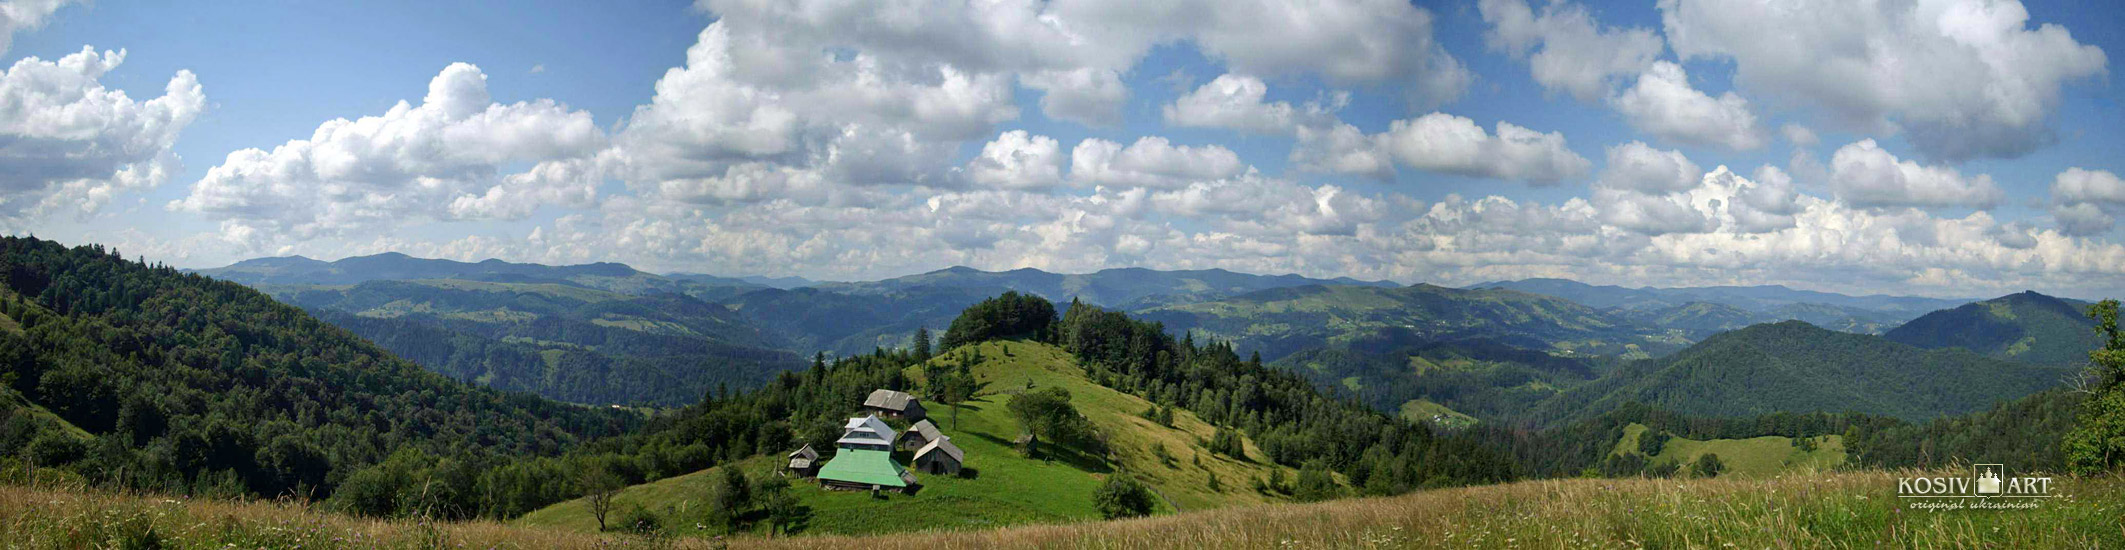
[863, 457]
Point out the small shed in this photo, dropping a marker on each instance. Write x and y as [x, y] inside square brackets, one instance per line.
[804, 462]
[894, 404]
[922, 433]
[864, 470]
[940, 457]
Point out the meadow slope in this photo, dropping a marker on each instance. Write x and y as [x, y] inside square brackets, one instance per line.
[1003, 487]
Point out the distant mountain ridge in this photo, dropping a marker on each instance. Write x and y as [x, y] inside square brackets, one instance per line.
[1753, 298]
[788, 313]
[1278, 322]
[2027, 327]
[1703, 311]
[1126, 288]
[393, 266]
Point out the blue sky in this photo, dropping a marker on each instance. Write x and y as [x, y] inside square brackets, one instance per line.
[842, 140]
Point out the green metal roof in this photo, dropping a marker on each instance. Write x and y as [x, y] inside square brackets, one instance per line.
[866, 467]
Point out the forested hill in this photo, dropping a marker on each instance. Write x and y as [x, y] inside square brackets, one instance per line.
[2026, 327]
[563, 342]
[191, 385]
[1797, 367]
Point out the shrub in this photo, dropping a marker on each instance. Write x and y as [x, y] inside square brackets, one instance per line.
[1122, 496]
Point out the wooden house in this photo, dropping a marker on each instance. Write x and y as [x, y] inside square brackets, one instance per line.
[865, 470]
[867, 433]
[894, 404]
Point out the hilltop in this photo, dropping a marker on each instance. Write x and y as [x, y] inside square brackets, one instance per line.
[1008, 488]
[2026, 327]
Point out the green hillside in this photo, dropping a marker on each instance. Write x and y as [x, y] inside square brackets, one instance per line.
[1755, 457]
[196, 386]
[2026, 327]
[1283, 321]
[1007, 488]
[1796, 367]
[560, 341]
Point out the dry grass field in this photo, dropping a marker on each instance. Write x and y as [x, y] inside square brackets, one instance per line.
[1821, 510]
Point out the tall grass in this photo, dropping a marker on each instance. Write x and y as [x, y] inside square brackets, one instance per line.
[1826, 510]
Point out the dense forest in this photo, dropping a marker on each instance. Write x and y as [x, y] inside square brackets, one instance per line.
[189, 385]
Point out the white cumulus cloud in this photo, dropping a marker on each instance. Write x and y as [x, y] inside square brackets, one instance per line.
[1865, 175]
[1663, 103]
[1964, 78]
[68, 143]
[1150, 162]
[441, 159]
[1565, 48]
[2086, 202]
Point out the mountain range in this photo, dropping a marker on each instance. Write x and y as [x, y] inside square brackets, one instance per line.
[1505, 351]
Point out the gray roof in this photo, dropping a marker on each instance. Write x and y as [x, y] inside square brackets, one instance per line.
[800, 463]
[942, 444]
[805, 452]
[929, 431]
[889, 400]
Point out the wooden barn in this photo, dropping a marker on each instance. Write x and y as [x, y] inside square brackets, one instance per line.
[922, 433]
[940, 457]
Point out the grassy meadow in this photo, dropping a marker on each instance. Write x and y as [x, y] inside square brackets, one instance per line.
[1004, 487]
[1798, 510]
[1755, 456]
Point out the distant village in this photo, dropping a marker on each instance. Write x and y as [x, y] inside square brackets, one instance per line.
[863, 457]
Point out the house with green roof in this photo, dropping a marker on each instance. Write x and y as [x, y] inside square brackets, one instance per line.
[864, 470]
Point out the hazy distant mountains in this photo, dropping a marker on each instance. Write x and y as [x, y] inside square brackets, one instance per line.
[1703, 311]
[1127, 288]
[1752, 298]
[1279, 322]
[393, 266]
[1536, 350]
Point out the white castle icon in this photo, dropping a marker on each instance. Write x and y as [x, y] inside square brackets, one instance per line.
[1989, 483]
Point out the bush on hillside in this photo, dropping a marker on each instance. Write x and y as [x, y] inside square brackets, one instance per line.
[1122, 496]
